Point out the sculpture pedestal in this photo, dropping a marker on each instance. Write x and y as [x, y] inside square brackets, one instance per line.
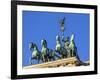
[66, 62]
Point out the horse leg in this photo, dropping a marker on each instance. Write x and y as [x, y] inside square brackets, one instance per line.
[38, 61]
[53, 58]
[30, 61]
[72, 53]
[49, 58]
[46, 58]
[39, 58]
[43, 58]
[59, 57]
[68, 54]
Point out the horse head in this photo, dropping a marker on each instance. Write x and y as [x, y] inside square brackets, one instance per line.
[32, 46]
[72, 37]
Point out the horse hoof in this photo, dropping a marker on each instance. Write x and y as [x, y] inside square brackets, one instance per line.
[30, 63]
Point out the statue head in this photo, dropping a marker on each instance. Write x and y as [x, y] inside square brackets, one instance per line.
[67, 39]
[44, 42]
[58, 38]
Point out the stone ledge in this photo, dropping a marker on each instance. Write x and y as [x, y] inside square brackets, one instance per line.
[61, 62]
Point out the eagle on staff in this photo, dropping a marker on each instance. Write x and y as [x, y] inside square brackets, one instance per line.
[62, 23]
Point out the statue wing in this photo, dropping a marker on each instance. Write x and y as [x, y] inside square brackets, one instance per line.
[72, 37]
[62, 22]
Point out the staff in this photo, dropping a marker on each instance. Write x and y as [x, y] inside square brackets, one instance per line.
[62, 28]
[62, 23]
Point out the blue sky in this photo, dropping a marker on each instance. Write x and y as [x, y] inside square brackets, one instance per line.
[39, 25]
